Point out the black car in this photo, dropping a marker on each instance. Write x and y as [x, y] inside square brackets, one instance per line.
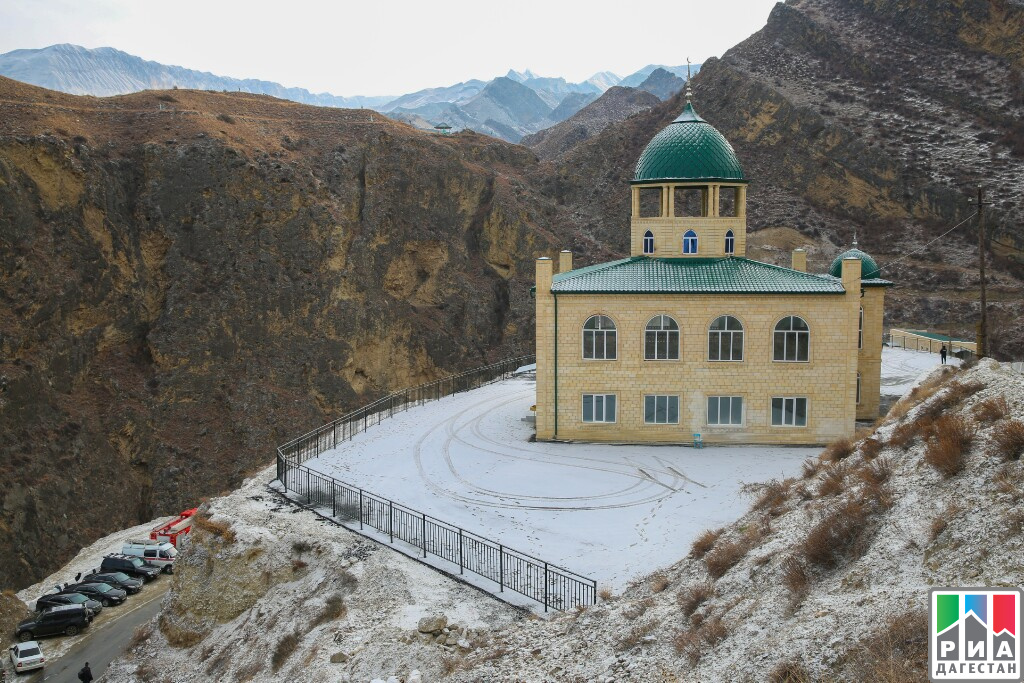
[130, 565]
[68, 619]
[54, 599]
[117, 580]
[106, 594]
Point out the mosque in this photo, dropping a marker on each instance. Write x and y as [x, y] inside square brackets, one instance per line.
[687, 340]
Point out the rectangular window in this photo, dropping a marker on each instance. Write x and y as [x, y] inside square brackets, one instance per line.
[789, 412]
[599, 407]
[725, 410]
[661, 410]
[858, 388]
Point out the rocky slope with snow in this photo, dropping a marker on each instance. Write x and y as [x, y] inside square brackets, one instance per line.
[825, 578]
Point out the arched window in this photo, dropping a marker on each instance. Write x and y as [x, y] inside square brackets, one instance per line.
[599, 338]
[792, 340]
[860, 331]
[661, 339]
[648, 242]
[730, 243]
[725, 339]
[690, 242]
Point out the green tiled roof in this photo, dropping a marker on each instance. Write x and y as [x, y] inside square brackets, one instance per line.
[687, 149]
[940, 337]
[869, 269]
[734, 275]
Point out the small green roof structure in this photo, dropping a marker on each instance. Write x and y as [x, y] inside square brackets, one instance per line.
[869, 269]
[688, 149]
[442, 128]
[729, 275]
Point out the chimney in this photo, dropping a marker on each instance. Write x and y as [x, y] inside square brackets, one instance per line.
[564, 261]
[800, 260]
[851, 274]
[544, 274]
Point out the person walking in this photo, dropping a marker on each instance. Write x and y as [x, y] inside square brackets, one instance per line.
[942, 354]
[85, 675]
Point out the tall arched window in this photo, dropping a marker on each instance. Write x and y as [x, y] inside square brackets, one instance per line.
[690, 242]
[648, 242]
[792, 340]
[599, 338]
[730, 243]
[725, 339]
[661, 339]
[860, 331]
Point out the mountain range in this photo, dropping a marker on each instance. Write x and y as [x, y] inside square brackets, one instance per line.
[506, 107]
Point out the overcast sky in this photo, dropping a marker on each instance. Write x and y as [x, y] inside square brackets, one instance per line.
[385, 48]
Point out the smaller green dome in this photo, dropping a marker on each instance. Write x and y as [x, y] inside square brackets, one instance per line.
[869, 270]
[688, 149]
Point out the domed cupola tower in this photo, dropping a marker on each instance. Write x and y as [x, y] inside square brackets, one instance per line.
[689, 193]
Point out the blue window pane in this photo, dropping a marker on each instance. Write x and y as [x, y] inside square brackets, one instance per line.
[713, 410]
[609, 408]
[737, 410]
[588, 408]
[648, 409]
[801, 412]
[777, 411]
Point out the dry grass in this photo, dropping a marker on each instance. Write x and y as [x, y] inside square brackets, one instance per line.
[635, 635]
[140, 635]
[896, 653]
[771, 496]
[285, 647]
[725, 556]
[941, 521]
[870, 448]
[1007, 480]
[335, 608]
[838, 534]
[796, 577]
[221, 530]
[838, 450]
[992, 409]
[874, 475]
[811, 467]
[691, 598]
[1009, 439]
[605, 593]
[248, 672]
[833, 481]
[705, 542]
[946, 448]
[790, 672]
[694, 643]
[659, 582]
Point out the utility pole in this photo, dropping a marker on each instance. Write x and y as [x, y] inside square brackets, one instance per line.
[983, 324]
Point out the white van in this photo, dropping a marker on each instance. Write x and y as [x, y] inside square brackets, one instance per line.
[158, 553]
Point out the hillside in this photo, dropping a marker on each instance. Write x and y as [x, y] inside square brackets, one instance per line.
[188, 277]
[846, 120]
[825, 578]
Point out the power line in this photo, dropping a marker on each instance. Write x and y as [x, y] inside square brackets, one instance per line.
[928, 244]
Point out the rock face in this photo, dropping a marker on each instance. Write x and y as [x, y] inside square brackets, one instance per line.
[184, 288]
[663, 84]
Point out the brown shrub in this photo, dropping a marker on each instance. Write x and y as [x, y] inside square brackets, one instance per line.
[140, 635]
[811, 467]
[285, 647]
[705, 542]
[946, 449]
[795, 576]
[725, 556]
[902, 435]
[895, 653]
[635, 635]
[221, 530]
[659, 582]
[838, 450]
[992, 409]
[771, 496]
[837, 534]
[952, 397]
[248, 672]
[870, 448]
[874, 475]
[833, 481]
[1007, 480]
[226, 118]
[1009, 439]
[790, 672]
[451, 664]
[941, 521]
[334, 609]
[694, 596]
[605, 593]
[694, 642]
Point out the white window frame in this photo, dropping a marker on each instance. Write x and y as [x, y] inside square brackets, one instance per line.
[796, 340]
[860, 331]
[648, 247]
[604, 408]
[602, 334]
[662, 337]
[691, 235]
[732, 344]
[669, 399]
[730, 242]
[707, 408]
[784, 399]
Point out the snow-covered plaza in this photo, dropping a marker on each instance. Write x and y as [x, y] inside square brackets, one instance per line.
[610, 512]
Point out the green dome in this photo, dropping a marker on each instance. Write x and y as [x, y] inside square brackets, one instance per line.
[689, 148]
[868, 268]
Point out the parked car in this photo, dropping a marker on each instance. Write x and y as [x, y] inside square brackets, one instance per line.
[67, 619]
[106, 594]
[26, 656]
[117, 580]
[160, 554]
[54, 599]
[132, 566]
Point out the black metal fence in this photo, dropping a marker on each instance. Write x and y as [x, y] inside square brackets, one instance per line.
[553, 586]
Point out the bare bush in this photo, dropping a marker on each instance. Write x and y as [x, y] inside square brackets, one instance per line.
[725, 556]
[870, 448]
[838, 450]
[771, 496]
[694, 642]
[285, 647]
[1009, 439]
[992, 409]
[705, 542]
[694, 596]
[811, 467]
[221, 530]
[941, 521]
[605, 593]
[334, 608]
[946, 449]
[790, 672]
[1008, 480]
[895, 653]
[635, 635]
[837, 534]
[659, 582]
[796, 576]
[833, 480]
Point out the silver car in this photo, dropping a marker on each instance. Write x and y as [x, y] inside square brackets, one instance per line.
[27, 656]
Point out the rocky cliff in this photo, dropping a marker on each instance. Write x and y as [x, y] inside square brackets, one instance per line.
[189, 278]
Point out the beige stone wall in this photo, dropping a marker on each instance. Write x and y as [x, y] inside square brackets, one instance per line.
[828, 380]
[668, 229]
[869, 357]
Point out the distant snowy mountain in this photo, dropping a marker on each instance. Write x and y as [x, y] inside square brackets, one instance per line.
[635, 79]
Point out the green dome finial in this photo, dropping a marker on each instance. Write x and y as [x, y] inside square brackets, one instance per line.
[869, 269]
[688, 149]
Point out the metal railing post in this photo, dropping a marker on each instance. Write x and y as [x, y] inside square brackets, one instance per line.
[501, 569]
[334, 498]
[360, 508]
[461, 563]
[545, 586]
[424, 528]
[391, 530]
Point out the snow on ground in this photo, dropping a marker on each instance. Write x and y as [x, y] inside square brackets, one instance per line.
[902, 369]
[609, 512]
